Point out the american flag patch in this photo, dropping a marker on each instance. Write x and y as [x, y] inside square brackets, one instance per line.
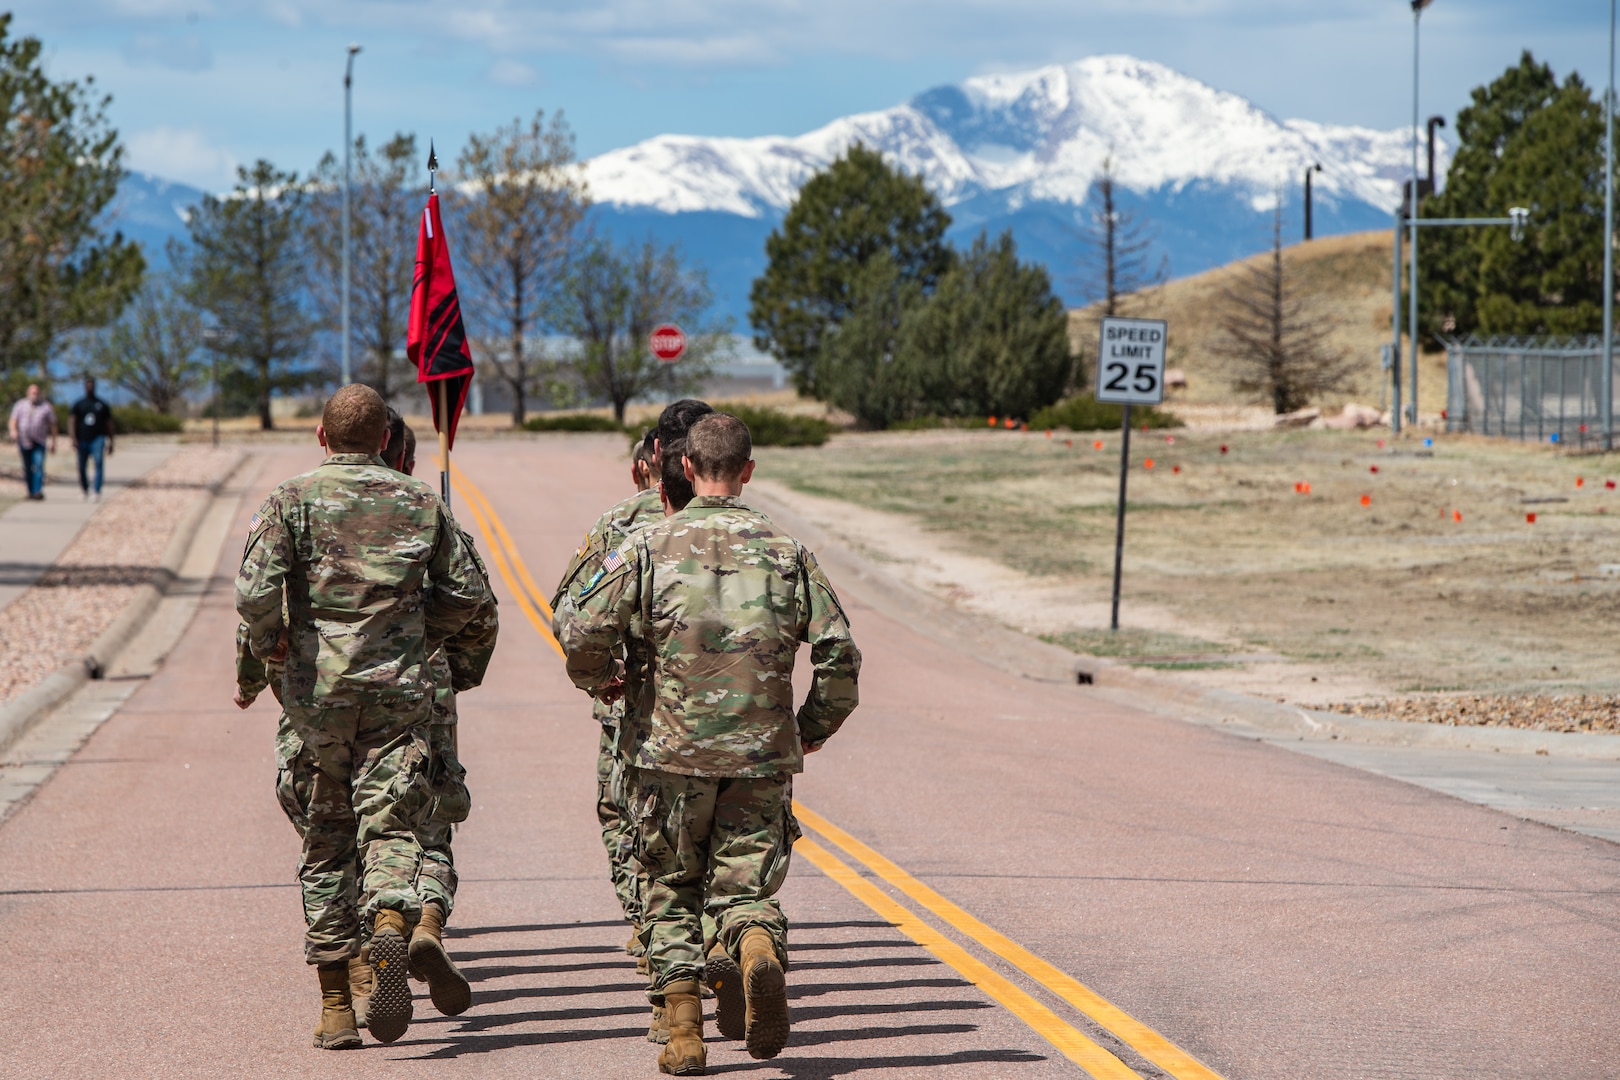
[255, 522]
[613, 562]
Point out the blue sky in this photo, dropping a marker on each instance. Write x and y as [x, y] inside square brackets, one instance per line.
[201, 85]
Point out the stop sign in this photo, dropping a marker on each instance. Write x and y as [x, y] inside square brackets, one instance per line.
[668, 342]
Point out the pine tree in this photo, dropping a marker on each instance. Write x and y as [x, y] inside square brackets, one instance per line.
[1525, 141]
[843, 217]
[1117, 259]
[246, 267]
[1282, 354]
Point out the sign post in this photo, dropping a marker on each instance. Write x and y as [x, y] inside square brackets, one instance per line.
[668, 343]
[1130, 371]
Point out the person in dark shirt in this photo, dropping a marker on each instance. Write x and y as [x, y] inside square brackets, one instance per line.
[92, 428]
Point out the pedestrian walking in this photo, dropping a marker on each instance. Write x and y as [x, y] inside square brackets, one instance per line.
[353, 574]
[33, 429]
[604, 537]
[719, 599]
[92, 428]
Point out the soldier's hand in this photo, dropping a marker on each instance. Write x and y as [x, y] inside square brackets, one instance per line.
[280, 651]
[613, 690]
[244, 700]
[809, 747]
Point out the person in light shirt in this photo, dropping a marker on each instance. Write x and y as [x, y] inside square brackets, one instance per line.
[33, 429]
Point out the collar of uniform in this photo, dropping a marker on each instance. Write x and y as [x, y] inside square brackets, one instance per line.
[708, 502]
[352, 459]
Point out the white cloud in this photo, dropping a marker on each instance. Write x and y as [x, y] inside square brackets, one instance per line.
[181, 52]
[509, 72]
[181, 154]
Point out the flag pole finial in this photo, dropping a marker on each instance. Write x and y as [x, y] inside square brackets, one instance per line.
[433, 167]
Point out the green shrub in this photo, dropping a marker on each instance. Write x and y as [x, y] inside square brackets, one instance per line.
[1083, 412]
[574, 422]
[772, 427]
[139, 420]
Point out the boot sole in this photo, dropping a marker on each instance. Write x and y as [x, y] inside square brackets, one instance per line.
[447, 987]
[730, 1004]
[767, 1012]
[348, 1039]
[688, 1067]
[389, 1014]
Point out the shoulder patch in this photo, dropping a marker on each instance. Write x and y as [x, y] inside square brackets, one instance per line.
[615, 562]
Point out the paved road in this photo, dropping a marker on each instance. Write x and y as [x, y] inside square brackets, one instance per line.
[1271, 914]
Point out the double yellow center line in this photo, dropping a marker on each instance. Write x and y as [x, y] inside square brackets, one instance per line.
[1073, 1043]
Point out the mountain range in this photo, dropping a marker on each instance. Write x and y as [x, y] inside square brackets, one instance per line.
[1200, 167]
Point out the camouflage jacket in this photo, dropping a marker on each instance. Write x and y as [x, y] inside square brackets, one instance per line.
[367, 573]
[720, 599]
[610, 530]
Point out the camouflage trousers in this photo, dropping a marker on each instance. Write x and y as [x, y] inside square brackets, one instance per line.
[716, 846]
[617, 836]
[367, 789]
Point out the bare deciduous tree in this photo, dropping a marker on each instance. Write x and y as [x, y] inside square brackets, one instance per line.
[1281, 352]
[153, 350]
[520, 199]
[385, 196]
[614, 299]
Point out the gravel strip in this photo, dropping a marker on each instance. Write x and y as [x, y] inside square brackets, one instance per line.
[59, 618]
[1561, 712]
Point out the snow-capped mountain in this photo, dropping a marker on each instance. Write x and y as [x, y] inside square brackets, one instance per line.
[1038, 136]
[1200, 167]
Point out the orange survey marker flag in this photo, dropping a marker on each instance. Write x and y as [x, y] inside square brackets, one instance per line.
[436, 340]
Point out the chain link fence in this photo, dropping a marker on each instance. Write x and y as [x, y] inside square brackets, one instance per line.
[1540, 388]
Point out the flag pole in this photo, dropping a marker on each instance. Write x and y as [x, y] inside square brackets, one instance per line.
[444, 384]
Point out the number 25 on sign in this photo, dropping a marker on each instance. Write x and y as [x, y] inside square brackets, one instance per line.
[1130, 371]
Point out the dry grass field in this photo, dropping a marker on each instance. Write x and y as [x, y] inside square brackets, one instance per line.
[1343, 280]
[1438, 583]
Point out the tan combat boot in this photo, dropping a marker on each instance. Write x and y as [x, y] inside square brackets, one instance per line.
[658, 1026]
[765, 988]
[362, 981]
[446, 986]
[684, 1054]
[337, 1029]
[389, 1014]
[724, 977]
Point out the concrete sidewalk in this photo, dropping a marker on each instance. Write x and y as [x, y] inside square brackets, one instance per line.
[34, 534]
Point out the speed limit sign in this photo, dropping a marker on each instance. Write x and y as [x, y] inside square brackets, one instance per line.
[1130, 361]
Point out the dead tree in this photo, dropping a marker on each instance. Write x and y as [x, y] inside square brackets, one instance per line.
[1281, 351]
[1116, 260]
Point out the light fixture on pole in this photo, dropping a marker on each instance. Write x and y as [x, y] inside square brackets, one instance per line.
[1412, 214]
[1314, 168]
[1607, 404]
[348, 145]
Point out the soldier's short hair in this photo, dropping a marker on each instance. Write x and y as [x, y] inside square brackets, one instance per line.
[408, 457]
[718, 446]
[393, 454]
[672, 476]
[644, 449]
[678, 417]
[355, 418]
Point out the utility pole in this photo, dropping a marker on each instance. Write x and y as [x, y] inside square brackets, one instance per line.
[348, 146]
[1395, 329]
[1417, 195]
[1314, 168]
[1608, 248]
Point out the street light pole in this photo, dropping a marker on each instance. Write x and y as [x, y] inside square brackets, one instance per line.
[1314, 168]
[1608, 248]
[348, 145]
[1412, 215]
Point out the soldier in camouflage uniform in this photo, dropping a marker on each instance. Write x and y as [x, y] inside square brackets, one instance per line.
[607, 534]
[352, 575]
[718, 599]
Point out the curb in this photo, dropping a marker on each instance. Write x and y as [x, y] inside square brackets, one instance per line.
[21, 713]
[1252, 717]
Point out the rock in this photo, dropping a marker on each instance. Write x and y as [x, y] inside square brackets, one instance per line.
[1298, 419]
[1354, 417]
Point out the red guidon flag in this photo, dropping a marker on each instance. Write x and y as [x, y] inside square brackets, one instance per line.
[436, 341]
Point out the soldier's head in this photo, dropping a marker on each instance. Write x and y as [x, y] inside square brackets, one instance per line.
[355, 421]
[673, 485]
[641, 460]
[408, 458]
[718, 457]
[393, 454]
[676, 419]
